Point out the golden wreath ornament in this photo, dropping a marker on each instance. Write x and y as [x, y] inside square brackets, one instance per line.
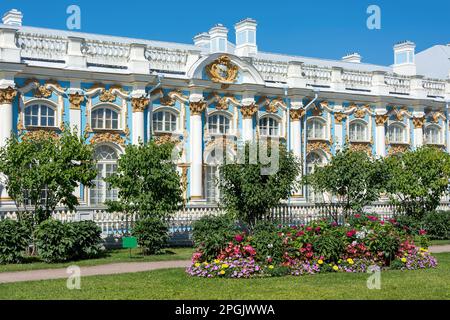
[222, 70]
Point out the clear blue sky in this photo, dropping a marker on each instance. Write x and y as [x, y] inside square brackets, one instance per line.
[326, 29]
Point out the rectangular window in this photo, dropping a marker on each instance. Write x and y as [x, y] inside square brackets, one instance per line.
[240, 38]
[401, 57]
[251, 37]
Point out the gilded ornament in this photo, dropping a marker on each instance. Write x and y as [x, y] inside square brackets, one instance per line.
[108, 137]
[166, 138]
[75, 101]
[139, 104]
[296, 114]
[222, 104]
[397, 148]
[249, 111]
[197, 107]
[40, 135]
[7, 95]
[107, 96]
[339, 117]
[361, 146]
[318, 145]
[418, 122]
[380, 119]
[360, 113]
[222, 70]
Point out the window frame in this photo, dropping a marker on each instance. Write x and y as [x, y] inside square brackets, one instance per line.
[268, 126]
[218, 124]
[366, 131]
[39, 116]
[113, 110]
[404, 133]
[439, 131]
[164, 111]
[324, 126]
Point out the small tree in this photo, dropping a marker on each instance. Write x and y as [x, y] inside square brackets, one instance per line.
[418, 179]
[43, 169]
[251, 188]
[352, 178]
[147, 181]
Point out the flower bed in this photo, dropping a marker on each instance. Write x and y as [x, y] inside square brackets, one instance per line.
[364, 243]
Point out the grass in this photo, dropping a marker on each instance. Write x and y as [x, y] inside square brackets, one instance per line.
[439, 242]
[111, 256]
[176, 284]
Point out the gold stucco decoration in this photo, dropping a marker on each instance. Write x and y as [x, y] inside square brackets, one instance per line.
[339, 117]
[108, 137]
[222, 70]
[76, 100]
[418, 122]
[249, 111]
[7, 95]
[296, 114]
[139, 104]
[197, 107]
[380, 119]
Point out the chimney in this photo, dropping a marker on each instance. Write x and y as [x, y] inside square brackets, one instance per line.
[404, 58]
[246, 38]
[203, 40]
[352, 57]
[13, 18]
[219, 38]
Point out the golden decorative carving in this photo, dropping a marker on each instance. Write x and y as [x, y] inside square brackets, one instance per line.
[222, 70]
[40, 135]
[361, 146]
[166, 138]
[7, 95]
[397, 148]
[418, 122]
[197, 107]
[380, 119]
[272, 107]
[296, 114]
[139, 104]
[167, 101]
[360, 113]
[42, 92]
[107, 96]
[339, 117]
[222, 104]
[318, 145]
[317, 111]
[108, 137]
[249, 111]
[75, 101]
[436, 115]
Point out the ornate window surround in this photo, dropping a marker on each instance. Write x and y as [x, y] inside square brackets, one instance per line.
[40, 101]
[368, 130]
[326, 126]
[278, 119]
[173, 111]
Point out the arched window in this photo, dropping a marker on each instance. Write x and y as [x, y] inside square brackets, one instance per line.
[397, 133]
[39, 115]
[315, 129]
[164, 121]
[106, 165]
[433, 135]
[358, 131]
[104, 118]
[218, 124]
[269, 126]
[312, 160]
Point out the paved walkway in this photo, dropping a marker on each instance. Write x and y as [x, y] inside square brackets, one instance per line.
[117, 268]
[105, 269]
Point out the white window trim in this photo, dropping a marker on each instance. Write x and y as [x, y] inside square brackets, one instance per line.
[367, 127]
[440, 131]
[114, 108]
[49, 104]
[227, 114]
[175, 112]
[406, 135]
[278, 119]
[324, 122]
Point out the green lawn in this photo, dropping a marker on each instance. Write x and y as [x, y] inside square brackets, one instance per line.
[112, 256]
[175, 284]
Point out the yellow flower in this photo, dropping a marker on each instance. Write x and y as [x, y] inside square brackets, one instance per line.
[405, 254]
[350, 261]
[403, 260]
[339, 261]
[197, 265]
[224, 266]
[222, 272]
[335, 268]
[423, 250]
[271, 267]
[205, 263]
[320, 261]
[216, 261]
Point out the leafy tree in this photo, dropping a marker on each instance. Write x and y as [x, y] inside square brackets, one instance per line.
[417, 180]
[351, 177]
[42, 170]
[147, 181]
[250, 188]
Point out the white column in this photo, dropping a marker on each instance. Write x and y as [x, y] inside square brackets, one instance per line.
[139, 105]
[7, 96]
[247, 121]
[296, 114]
[75, 99]
[339, 130]
[196, 150]
[418, 122]
[380, 135]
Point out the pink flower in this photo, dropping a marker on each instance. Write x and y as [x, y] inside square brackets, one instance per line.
[334, 224]
[351, 233]
[318, 229]
[422, 232]
[308, 228]
[357, 216]
[239, 238]
[382, 222]
[300, 233]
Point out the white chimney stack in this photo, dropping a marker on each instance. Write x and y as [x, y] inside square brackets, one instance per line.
[246, 38]
[219, 38]
[203, 40]
[404, 58]
[352, 57]
[13, 18]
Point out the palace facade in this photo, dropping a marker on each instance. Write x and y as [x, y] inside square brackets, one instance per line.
[117, 91]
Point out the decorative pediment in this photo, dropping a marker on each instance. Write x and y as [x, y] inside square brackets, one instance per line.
[107, 95]
[222, 70]
[108, 137]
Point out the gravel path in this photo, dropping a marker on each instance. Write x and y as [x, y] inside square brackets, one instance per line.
[105, 269]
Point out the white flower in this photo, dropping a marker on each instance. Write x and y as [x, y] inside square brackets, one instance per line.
[270, 246]
[360, 235]
[354, 243]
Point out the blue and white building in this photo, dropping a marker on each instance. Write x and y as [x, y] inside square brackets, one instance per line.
[117, 91]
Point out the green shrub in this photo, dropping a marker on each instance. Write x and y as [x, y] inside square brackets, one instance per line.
[329, 244]
[58, 242]
[437, 224]
[211, 234]
[409, 224]
[268, 244]
[87, 239]
[14, 240]
[152, 234]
